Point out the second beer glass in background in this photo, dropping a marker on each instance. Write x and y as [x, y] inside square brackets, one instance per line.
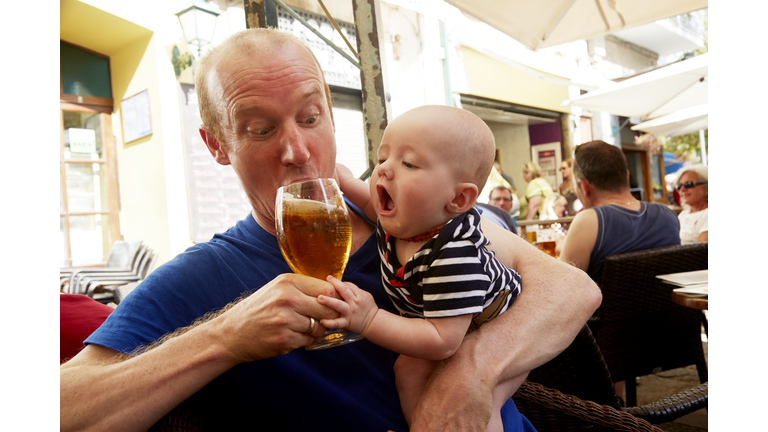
[315, 236]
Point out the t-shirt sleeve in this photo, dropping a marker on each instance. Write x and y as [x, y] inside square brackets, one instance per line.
[173, 296]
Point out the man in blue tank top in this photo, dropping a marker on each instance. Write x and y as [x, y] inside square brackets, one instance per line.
[613, 221]
[224, 324]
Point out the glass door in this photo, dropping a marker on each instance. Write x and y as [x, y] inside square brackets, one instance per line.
[89, 203]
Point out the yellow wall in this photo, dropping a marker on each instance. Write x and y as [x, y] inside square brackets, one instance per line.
[492, 79]
[144, 214]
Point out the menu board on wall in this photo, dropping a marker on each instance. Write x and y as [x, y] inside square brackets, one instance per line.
[547, 156]
[216, 200]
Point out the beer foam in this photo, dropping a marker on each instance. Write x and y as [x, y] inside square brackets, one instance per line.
[299, 205]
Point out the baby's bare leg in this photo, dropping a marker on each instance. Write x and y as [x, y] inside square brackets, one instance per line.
[411, 375]
[501, 393]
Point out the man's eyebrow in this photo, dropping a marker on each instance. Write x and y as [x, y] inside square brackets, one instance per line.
[309, 94]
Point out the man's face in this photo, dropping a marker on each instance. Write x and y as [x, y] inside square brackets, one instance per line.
[501, 198]
[277, 126]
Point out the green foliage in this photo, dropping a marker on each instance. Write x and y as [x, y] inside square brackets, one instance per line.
[180, 62]
[687, 147]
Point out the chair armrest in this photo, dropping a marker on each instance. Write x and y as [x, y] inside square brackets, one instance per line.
[673, 407]
[603, 415]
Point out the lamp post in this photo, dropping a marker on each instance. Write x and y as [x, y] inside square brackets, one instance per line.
[198, 22]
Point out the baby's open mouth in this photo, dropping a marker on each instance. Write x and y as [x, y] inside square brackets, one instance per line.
[385, 201]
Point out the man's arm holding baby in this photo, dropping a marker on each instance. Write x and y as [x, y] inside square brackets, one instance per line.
[430, 339]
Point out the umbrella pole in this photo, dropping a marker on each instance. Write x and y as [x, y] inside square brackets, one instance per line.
[703, 145]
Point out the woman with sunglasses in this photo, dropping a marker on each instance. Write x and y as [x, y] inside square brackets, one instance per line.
[567, 188]
[694, 196]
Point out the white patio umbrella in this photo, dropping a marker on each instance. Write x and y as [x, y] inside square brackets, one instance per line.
[544, 23]
[653, 94]
[682, 122]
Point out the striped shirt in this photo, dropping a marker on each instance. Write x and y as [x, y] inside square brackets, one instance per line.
[452, 274]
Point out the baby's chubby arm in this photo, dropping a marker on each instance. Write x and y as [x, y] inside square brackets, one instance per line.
[430, 339]
[356, 190]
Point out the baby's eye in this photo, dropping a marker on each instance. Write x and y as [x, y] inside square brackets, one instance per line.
[381, 161]
[407, 165]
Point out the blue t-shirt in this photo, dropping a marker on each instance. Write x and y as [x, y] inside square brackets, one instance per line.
[620, 230]
[347, 388]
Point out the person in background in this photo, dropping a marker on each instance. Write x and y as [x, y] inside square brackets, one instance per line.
[505, 176]
[612, 221]
[503, 198]
[219, 325]
[554, 208]
[566, 188]
[694, 196]
[532, 203]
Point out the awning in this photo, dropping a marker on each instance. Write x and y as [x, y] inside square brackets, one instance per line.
[682, 122]
[541, 24]
[653, 94]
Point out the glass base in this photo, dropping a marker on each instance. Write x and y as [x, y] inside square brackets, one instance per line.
[334, 338]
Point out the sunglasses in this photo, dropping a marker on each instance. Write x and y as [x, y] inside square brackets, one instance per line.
[688, 185]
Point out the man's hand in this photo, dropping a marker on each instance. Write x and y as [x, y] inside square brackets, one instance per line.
[357, 307]
[274, 319]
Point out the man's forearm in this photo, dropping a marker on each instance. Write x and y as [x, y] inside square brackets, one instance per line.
[555, 302]
[100, 392]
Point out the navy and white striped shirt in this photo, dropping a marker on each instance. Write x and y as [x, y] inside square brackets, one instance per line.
[452, 274]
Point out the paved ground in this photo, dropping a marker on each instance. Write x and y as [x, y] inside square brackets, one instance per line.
[663, 384]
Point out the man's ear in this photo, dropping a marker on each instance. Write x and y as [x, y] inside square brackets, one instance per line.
[586, 188]
[214, 147]
[464, 199]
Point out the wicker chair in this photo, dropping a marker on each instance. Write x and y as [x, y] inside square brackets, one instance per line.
[574, 392]
[638, 328]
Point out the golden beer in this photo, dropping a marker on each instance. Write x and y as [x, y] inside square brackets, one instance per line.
[315, 238]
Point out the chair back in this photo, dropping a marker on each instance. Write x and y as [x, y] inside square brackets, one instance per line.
[640, 330]
[122, 254]
[579, 371]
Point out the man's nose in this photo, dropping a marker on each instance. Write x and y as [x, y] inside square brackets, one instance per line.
[295, 151]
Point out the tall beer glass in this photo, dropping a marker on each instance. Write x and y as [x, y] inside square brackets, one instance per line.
[315, 236]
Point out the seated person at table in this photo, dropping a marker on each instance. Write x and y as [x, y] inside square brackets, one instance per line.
[612, 221]
[435, 263]
[218, 325]
[692, 183]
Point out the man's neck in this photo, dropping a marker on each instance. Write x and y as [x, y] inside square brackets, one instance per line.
[623, 198]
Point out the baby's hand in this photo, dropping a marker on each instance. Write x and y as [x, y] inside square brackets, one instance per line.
[356, 309]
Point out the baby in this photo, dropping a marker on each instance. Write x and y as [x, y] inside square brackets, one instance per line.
[433, 161]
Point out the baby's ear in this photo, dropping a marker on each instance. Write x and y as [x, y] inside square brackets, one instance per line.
[464, 199]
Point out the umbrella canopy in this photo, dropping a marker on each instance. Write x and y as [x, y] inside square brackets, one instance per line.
[682, 122]
[662, 91]
[545, 23]
[671, 163]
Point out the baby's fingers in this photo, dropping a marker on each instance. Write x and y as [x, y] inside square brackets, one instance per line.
[345, 290]
[334, 323]
[333, 303]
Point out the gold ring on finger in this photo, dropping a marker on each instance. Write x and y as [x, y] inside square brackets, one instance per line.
[312, 324]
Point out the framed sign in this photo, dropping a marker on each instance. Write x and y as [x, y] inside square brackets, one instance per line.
[136, 119]
[548, 157]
